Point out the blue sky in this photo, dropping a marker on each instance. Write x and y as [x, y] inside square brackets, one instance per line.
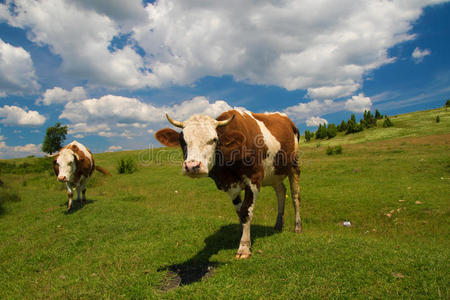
[111, 69]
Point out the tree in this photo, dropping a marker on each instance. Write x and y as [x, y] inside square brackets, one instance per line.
[331, 131]
[438, 119]
[54, 138]
[378, 116]
[307, 135]
[447, 103]
[343, 126]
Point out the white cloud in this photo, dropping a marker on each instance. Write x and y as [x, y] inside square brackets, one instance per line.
[112, 115]
[304, 111]
[17, 75]
[316, 121]
[331, 92]
[358, 103]
[114, 148]
[16, 116]
[323, 46]
[2, 138]
[82, 37]
[418, 54]
[19, 151]
[58, 95]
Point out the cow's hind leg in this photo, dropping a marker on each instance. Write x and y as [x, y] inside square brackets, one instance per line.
[245, 216]
[83, 191]
[280, 190]
[69, 196]
[294, 180]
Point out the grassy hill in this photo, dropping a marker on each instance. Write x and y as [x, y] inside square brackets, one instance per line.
[141, 235]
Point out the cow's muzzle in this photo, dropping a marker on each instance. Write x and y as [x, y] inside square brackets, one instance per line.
[194, 169]
[62, 179]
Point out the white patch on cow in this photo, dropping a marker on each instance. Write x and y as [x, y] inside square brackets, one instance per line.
[66, 163]
[233, 192]
[273, 146]
[200, 135]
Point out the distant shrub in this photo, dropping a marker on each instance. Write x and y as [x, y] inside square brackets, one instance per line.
[126, 166]
[387, 123]
[438, 119]
[447, 103]
[334, 150]
[38, 165]
[329, 151]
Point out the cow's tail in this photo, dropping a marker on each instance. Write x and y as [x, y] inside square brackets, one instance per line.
[102, 170]
[296, 131]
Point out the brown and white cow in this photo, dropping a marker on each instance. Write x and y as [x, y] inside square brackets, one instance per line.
[74, 164]
[241, 151]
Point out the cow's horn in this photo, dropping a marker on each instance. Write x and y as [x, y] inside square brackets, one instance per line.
[174, 122]
[225, 122]
[53, 155]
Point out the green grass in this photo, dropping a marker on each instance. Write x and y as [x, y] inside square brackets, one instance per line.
[139, 230]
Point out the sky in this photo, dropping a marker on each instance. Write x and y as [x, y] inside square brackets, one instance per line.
[111, 69]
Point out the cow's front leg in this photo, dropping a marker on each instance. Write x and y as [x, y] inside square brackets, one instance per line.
[235, 194]
[245, 216]
[69, 195]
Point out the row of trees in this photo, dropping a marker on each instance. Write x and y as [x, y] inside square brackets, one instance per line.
[350, 126]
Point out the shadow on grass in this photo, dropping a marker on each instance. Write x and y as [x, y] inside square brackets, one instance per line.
[199, 266]
[77, 205]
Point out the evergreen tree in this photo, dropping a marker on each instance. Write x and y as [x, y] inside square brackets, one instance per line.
[54, 137]
[378, 116]
[342, 127]
[331, 131]
[307, 135]
[353, 118]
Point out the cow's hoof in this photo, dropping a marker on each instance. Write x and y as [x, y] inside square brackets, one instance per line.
[298, 230]
[243, 256]
[243, 252]
[278, 227]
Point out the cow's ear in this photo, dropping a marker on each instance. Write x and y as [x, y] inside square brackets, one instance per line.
[168, 137]
[232, 140]
[56, 167]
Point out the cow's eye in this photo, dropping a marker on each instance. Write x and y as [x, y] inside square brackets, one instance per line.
[213, 141]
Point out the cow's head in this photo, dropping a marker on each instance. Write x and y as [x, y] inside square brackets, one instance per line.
[199, 141]
[65, 165]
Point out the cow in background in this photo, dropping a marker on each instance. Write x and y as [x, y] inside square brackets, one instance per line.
[241, 151]
[73, 165]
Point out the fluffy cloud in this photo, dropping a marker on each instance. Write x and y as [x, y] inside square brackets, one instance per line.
[17, 74]
[19, 151]
[358, 103]
[418, 54]
[82, 37]
[304, 111]
[16, 116]
[316, 121]
[113, 115]
[323, 46]
[58, 95]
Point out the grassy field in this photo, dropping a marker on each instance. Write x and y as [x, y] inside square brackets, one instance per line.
[156, 234]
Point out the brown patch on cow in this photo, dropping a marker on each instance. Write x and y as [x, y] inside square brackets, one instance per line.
[283, 129]
[242, 156]
[83, 163]
[168, 137]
